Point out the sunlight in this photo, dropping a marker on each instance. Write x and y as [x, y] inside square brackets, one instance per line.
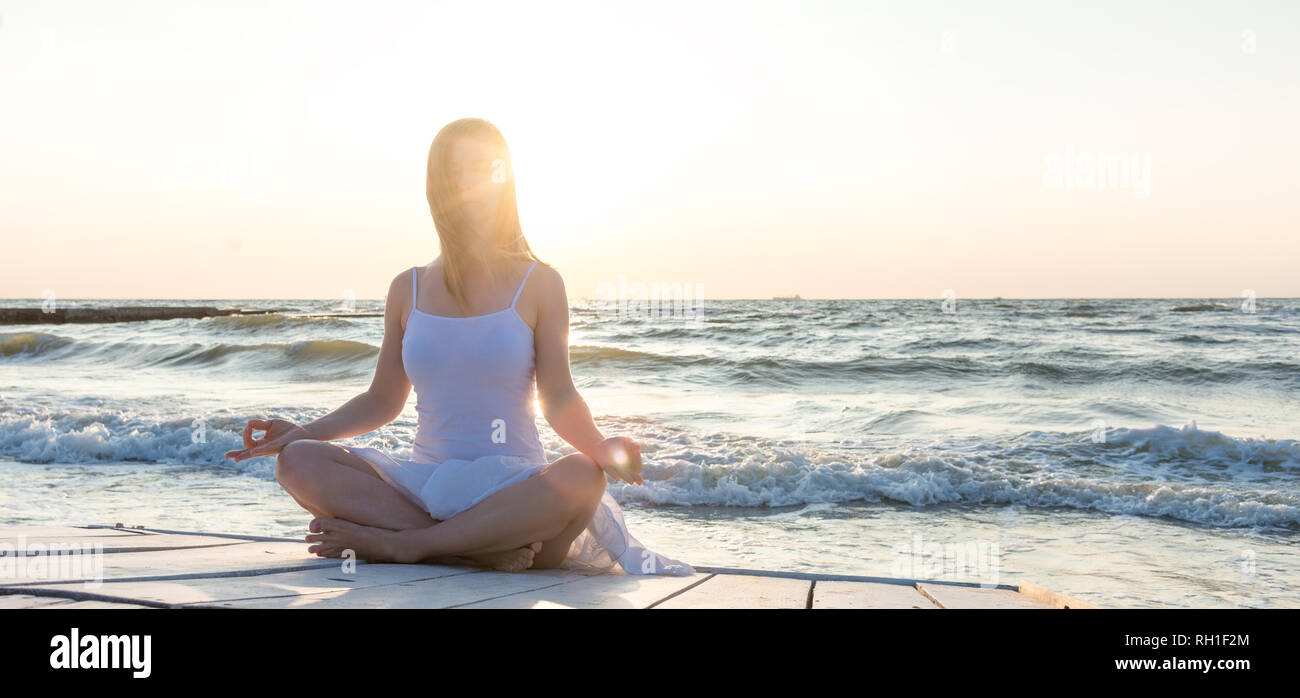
[549, 604]
[564, 182]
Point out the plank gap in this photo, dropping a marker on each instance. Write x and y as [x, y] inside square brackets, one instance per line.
[683, 590]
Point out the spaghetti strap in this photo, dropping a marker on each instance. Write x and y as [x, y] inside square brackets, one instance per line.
[521, 284]
[415, 296]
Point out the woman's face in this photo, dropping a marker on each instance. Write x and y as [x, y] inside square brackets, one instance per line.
[477, 172]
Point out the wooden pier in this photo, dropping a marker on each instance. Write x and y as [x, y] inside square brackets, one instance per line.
[154, 568]
[59, 316]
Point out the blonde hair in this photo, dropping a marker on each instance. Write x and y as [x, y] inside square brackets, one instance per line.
[448, 216]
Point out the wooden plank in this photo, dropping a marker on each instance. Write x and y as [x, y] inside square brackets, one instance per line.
[117, 544]
[89, 603]
[448, 591]
[975, 597]
[231, 536]
[211, 590]
[27, 601]
[229, 560]
[743, 591]
[1054, 599]
[10, 533]
[868, 595]
[607, 590]
[160, 567]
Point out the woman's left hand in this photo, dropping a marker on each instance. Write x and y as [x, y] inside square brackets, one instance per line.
[620, 456]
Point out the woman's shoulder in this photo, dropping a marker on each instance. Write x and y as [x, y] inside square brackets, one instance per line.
[402, 286]
[526, 261]
[547, 277]
[401, 280]
[404, 276]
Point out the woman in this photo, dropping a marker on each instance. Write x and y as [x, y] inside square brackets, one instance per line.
[473, 331]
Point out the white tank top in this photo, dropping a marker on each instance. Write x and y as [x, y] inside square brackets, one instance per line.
[474, 383]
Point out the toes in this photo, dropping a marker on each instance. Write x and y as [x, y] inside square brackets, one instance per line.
[536, 547]
[521, 560]
[320, 550]
[322, 524]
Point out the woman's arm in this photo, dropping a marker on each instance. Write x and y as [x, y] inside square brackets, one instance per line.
[383, 401]
[380, 404]
[562, 406]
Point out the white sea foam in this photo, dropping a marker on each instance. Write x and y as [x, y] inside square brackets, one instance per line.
[1043, 469]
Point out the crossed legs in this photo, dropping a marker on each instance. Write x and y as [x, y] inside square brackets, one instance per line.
[531, 523]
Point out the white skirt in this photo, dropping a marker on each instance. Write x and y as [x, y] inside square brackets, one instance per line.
[451, 487]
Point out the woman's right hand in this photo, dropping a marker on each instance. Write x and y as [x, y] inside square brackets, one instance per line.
[279, 433]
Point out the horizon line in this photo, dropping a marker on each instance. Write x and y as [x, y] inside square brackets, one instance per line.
[39, 300]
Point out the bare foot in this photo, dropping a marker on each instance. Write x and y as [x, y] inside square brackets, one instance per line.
[332, 537]
[509, 560]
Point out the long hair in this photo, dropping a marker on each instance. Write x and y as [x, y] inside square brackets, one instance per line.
[449, 217]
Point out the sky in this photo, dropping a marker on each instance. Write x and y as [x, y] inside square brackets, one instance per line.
[741, 149]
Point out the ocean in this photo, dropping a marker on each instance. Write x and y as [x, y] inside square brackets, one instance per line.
[1128, 452]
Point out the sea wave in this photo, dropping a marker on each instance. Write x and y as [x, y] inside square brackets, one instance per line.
[1198, 339]
[1126, 475]
[923, 479]
[755, 364]
[308, 352]
[271, 323]
[31, 343]
[1189, 474]
[1063, 366]
[89, 436]
[1199, 307]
